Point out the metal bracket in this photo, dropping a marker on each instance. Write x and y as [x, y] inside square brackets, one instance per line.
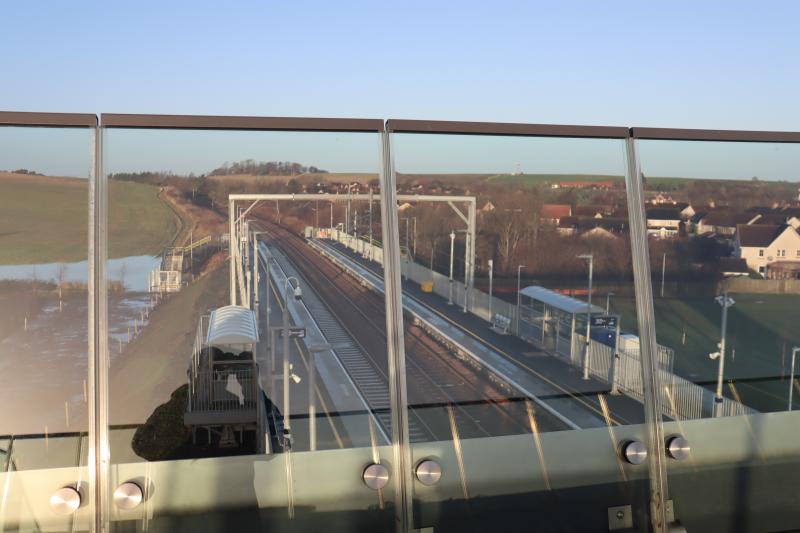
[620, 518]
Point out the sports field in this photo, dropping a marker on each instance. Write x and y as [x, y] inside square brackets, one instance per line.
[44, 219]
[762, 329]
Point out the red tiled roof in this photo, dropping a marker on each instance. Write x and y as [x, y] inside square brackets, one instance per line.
[556, 210]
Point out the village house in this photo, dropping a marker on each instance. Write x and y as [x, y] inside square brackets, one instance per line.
[553, 213]
[723, 222]
[663, 222]
[771, 250]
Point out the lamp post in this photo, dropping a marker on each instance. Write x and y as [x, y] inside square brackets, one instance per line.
[608, 302]
[791, 377]
[312, 400]
[371, 243]
[590, 258]
[491, 278]
[725, 301]
[452, 247]
[297, 293]
[519, 294]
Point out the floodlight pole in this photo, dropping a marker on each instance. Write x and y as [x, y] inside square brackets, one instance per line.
[725, 302]
[791, 377]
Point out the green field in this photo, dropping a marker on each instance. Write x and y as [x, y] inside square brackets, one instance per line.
[762, 329]
[45, 220]
[530, 180]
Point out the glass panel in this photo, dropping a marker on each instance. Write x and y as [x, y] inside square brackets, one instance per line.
[245, 414]
[44, 191]
[725, 259]
[515, 252]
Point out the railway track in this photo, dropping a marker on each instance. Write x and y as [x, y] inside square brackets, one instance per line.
[440, 385]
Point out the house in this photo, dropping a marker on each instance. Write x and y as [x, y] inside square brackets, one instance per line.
[663, 222]
[659, 198]
[593, 211]
[777, 219]
[767, 248]
[731, 267]
[686, 210]
[723, 222]
[567, 225]
[553, 213]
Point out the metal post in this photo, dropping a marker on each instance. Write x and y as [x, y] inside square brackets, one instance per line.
[663, 272]
[408, 265]
[267, 295]
[608, 302]
[99, 456]
[466, 271]
[657, 476]
[312, 401]
[588, 317]
[414, 249]
[452, 246]
[725, 302]
[615, 359]
[232, 250]
[191, 252]
[791, 377]
[519, 296]
[491, 278]
[371, 246]
[331, 216]
[286, 371]
[255, 275]
[401, 446]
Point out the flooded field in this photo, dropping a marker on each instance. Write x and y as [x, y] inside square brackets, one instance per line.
[44, 359]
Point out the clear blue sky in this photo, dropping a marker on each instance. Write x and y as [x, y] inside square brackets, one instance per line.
[721, 64]
[717, 64]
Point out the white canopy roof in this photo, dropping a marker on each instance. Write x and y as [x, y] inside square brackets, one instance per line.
[232, 324]
[559, 301]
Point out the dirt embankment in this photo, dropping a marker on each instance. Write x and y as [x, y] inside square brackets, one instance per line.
[154, 364]
[196, 222]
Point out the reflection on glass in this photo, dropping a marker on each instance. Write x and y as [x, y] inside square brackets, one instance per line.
[520, 325]
[44, 190]
[232, 330]
[722, 219]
